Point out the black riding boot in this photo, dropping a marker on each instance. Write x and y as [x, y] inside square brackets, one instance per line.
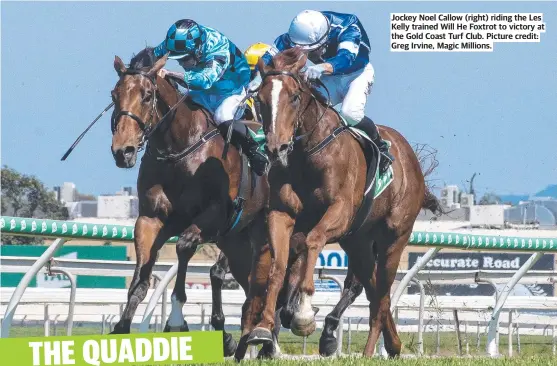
[367, 125]
[241, 137]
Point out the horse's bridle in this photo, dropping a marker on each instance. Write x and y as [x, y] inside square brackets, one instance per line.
[146, 129]
[295, 137]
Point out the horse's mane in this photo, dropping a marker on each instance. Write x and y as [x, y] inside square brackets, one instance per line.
[287, 59]
[144, 59]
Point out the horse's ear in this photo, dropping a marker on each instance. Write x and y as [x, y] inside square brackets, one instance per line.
[119, 65]
[158, 65]
[261, 66]
[302, 60]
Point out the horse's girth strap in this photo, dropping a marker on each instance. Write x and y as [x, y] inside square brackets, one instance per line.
[320, 146]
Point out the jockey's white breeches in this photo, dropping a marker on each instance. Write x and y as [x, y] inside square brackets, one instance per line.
[222, 107]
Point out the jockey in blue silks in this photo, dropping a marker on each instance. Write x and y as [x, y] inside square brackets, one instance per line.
[338, 47]
[216, 74]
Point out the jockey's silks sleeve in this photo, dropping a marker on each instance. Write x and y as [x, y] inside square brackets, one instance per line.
[216, 61]
[347, 51]
[280, 44]
[160, 50]
[222, 66]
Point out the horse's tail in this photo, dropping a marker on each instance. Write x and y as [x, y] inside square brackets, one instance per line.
[431, 202]
[428, 162]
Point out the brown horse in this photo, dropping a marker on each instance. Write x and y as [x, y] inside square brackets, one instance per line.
[184, 186]
[318, 180]
[175, 185]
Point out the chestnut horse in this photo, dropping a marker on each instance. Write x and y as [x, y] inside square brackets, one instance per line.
[318, 182]
[178, 186]
[167, 208]
[184, 186]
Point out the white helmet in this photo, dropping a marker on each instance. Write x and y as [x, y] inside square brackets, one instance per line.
[309, 30]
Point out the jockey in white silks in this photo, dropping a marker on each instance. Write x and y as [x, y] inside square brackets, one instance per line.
[338, 47]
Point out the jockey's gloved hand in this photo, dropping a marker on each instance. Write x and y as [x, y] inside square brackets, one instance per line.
[175, 75]
[163, 73]
[254, 84]
[314, 72]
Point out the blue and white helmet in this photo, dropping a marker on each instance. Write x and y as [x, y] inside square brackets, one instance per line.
[184, 38]
[309, 30]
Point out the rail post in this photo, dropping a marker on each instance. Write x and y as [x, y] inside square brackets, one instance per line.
[46, 320]
[159, 290]
[517, 338]
[479, 279]
[103, 324]
[492, 347]
[510, 331]
[73, 289]
[404, 283]
[420, 317]
[553, 339]
[466, 338]
[164, 297]
[202, 317]
[55, 324]
[340, 327]
[438, 350]
[22, 286]
[350, 336]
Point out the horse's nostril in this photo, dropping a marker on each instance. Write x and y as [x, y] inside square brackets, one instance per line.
[283, 147]
[128, 151]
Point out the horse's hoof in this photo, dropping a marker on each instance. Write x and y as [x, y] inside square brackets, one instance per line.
[119, 330]
[269, 351]
[285, 319]
[315, 310]
[259, 336]
[229, 344]
[302, 326]
[182, 328]
[241, 349]
[327, 345]
[265, 354]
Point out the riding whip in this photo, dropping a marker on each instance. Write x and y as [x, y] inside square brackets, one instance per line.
[84, 132]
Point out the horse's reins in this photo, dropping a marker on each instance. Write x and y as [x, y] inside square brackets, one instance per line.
[147, 130]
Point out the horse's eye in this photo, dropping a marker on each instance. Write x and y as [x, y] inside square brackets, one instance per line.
[147, 97]
[295, 98]
[113, 95]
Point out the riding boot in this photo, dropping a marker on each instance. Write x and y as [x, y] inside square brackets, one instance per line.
[367, 125]
[242, 138]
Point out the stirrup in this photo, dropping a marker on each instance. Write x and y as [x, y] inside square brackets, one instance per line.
[386, 161]
[388, 156]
